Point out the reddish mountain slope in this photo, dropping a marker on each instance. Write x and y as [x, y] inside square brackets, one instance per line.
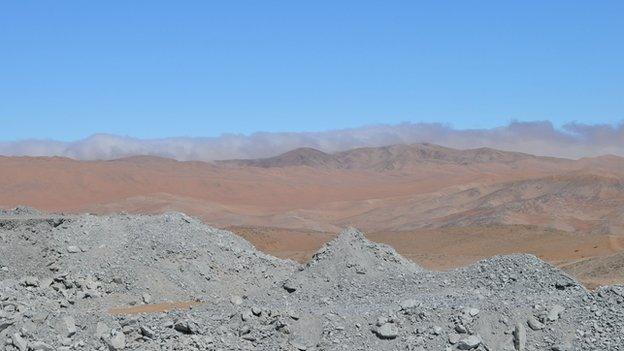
[415, 197]
[397, 187]
[385, 158]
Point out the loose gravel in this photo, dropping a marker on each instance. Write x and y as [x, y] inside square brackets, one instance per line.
[169, 282]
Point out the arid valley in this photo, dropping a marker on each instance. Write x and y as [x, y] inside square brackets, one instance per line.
[440, 207]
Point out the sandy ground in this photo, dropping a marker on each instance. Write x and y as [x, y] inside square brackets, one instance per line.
[154, 308]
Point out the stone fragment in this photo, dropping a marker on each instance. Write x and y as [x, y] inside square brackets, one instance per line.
[472, 311]
[73, 249]
[554, 313]
[147, 332]
[46, 282]
[534, 323]
[454, 338]
[147, 298]
[469, 343]
[69, 326]
[387, 331]
[407, 304]
[244, 330]
[520, 337]
[40, 346]
[30, 281]
[101, 330]
[381, 321]
[461, 329]
[297, 345]
[236, 300]
[19, 342]
[289, 286]
[248, 337]
[305, 332]
[185, 327]
[246, 315]
[5, 323]
[117, 341]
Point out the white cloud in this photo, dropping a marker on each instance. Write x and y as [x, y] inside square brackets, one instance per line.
[541, 138]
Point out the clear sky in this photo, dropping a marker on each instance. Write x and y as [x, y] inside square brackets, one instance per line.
[201, 68]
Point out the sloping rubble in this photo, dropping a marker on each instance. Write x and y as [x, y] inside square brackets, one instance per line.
[169, 282]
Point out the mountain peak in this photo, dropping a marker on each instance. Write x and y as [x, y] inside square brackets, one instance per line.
[304, 156]
[390, 157]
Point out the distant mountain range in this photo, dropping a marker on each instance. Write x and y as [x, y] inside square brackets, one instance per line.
[395, 187]
[435, 204]
[381, 158]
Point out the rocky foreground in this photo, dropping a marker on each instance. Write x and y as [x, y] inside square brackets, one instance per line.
[169, 282]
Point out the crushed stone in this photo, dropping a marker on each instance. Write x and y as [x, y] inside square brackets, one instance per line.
[61, 274]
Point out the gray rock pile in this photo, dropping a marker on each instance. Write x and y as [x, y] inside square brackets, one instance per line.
[169, 282]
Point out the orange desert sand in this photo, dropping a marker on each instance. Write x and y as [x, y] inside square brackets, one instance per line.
[440, 207]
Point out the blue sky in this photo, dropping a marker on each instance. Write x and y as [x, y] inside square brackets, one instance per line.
[153, 69]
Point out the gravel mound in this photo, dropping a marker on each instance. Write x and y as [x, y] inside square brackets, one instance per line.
[169, 282]
[348, 261]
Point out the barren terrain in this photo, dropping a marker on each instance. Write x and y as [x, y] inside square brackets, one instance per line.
[443, 207]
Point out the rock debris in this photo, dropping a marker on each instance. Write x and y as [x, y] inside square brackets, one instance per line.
[169, 282]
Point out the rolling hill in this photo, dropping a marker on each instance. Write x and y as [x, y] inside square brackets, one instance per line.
[393, 189]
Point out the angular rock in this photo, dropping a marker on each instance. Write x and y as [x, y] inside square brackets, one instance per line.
[101, 330]
[520, 337]
[185, 327]
[387, 331]
[454, 338]
[5, 323]
[73, 249]
[40, 346]
[69, 326]
[246, 315]
[472, 311]
[306, 332]
[147, 332]
[30, 281]
[460, 328]
[236, 300]
[289, 286]
[535, 324]
[19, 342]
[407, 304]
[147, 298]
[469, 343]
[554, 313]
[116, 341]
